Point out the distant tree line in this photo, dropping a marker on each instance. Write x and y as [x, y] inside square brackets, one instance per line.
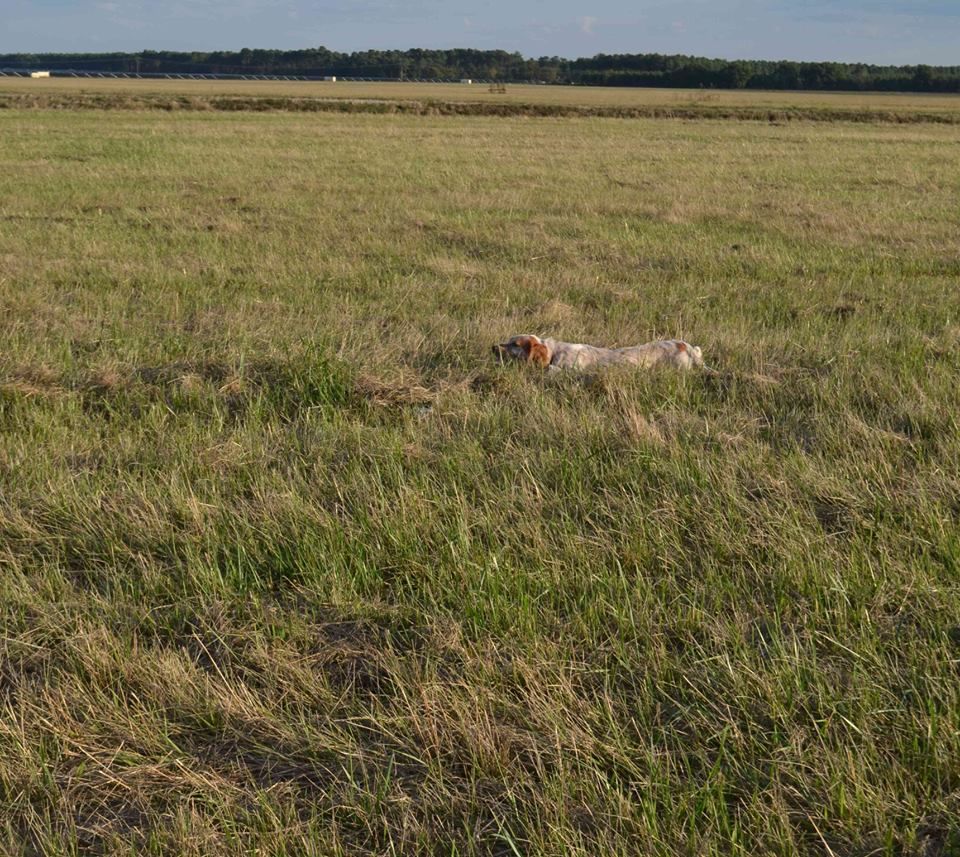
[600, 70]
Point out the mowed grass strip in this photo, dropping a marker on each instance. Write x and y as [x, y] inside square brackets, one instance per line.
[583, 96]
[454, 99]
[289, 567]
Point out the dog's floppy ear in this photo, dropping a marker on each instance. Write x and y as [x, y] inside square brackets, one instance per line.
[539, 354]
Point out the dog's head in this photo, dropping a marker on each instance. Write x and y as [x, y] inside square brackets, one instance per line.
[684, 354]
[526, 348]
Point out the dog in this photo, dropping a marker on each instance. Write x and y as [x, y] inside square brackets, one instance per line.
[552, 354]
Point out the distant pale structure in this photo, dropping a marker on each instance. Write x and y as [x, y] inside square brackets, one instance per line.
[466, 80]
[331, 77]
[39, 74]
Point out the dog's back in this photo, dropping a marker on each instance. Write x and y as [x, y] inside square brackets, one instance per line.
[671, 352]
[674, 352]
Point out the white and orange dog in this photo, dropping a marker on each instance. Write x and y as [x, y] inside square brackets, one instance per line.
[551, 354]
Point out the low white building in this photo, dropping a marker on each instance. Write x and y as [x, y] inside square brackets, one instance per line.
[39, 74]
[466, 80]
[331, 77]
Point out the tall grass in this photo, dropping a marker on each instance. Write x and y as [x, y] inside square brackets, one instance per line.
[289, 567]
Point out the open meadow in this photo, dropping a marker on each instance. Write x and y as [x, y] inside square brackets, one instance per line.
[288, 566]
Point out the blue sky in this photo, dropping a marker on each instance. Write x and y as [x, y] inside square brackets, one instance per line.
[879, 31]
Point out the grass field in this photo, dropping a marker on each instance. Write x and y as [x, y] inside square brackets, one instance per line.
[288, 567]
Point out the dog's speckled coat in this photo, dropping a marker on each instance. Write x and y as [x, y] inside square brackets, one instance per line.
[553, 354]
